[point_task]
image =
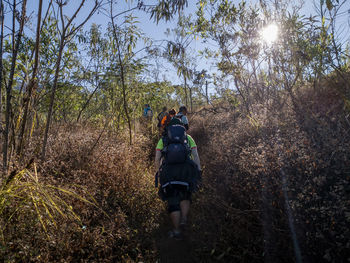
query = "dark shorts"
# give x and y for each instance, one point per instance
(174, 195)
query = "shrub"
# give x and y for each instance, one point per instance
(117, 227)
(277, 184)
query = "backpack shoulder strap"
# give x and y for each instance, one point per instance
(165, 140)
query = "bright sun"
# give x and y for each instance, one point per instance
(270, 33)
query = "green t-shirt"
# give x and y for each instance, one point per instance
(190, 140)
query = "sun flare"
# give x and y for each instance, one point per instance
(270, 33)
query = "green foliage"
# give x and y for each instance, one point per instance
(69, 99)
(230, 97)
(166, 9)
(49, 41)
(22, 192)
(263, 109)
(306, 49)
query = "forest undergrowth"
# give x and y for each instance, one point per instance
(275, 189)
(276, 184)
(117, 223)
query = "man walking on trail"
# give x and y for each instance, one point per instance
(147, 112)
(182, 116)
(179, 171)
(167, 119)
(160, 117)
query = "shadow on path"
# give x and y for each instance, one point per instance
(171, 250)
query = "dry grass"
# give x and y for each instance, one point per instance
(120, 180)
(259, 173)
(251, 169)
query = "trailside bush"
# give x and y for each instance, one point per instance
(272, 178)
(117, 176)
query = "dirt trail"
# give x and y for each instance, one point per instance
(171, 250)
(175, 251)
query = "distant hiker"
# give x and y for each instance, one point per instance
(147, 112)
(160, 117)
(181, 115)
(179, 174)
(167, 119)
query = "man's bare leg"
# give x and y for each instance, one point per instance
(175, 219)
(185, 208)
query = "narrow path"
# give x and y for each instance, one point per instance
(171, 250)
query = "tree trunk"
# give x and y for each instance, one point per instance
(10, 83)
(87, 102)
(14, 6)
(63, 36)
(206, 91)
(32, 81)
(52, 98)
(185, 89)
(1, 53)
(191, 99)
(125, 103)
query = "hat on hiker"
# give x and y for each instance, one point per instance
(172, 112)
(183, 109)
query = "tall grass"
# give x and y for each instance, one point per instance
(269, 186)
(23, 191)
(84, 203)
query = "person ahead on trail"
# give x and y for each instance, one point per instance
(179, 174)
(147, 111)
(166, 119)
(161, 115)
(182, 116)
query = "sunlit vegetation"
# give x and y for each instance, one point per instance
(270, 33)
(270, 116)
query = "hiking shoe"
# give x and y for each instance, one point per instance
(175, 235)
(183, 222)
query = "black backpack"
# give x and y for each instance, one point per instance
(177, 170)
(176, 148)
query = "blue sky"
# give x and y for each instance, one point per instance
(147, 25)
(156, 31)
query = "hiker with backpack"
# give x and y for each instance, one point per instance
(167, 119)
(147, 112)
(179, 174)
(160, 117)
(181, 115)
